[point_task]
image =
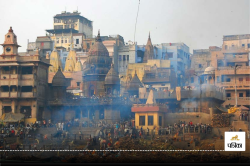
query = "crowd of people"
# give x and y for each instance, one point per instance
(243, 116)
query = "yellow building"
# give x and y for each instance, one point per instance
(149, 115)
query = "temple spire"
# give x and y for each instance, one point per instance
(98, 38)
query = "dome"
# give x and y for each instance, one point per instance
(98, 61)
(209, 70)
(59, 79)
(112, 76)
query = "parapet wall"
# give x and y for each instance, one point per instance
(171, 118)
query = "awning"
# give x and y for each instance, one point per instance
(243, 108)
(12, 117)
(9, 64)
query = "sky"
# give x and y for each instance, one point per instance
(197, 23)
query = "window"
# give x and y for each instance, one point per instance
(228, 94)
(248, 45)
(26, 70)
(124, 57)
(228, 80)
(101, 114)
(200, 66)
(192, 79)
(57, 40)
(247, 94)
(127, 57)
(58, 26)
(218, 79)
(26, 89)
(150, 120)
(88, 46)
(84, 113)
(78, 83)
(243, 45)
(240, 94)
(120, 57)
(240, 79)
(142, 120)
(225, 47)
(61, 41)
(160, 120)
(248, 79)
(208, 63)
(66, 26)
(77, 41)
(232, 45)
(170, 55)
(65, 40)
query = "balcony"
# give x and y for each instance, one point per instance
(5, 76)
(27, 94)
(27, 76)
(230, 71)
(238, 58)
(159, 79)
(14, 94)
(4, 82)
(240, 101)
(27, 83)
(239, 85)
(4, 94)
(179, 60)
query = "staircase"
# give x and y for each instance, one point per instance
(244, 125)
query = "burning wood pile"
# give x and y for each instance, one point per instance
(221, 120)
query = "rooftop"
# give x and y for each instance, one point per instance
(236, 37)
(68, 14)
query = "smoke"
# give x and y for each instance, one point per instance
(189, 103)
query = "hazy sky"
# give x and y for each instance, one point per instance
(197, 23)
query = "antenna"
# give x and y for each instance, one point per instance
(65, 8)
(77, 9)
(136, 19)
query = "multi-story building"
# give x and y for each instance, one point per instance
(226, 67)
(23, 80)
(236, 42)
(177, 53)
(233, 70)
(70, 28)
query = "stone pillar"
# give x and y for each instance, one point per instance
(211, 110)
(34, 109)
(1, 108)
(13, 106)
(18, 109)
(97, 112)
(108, 115)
